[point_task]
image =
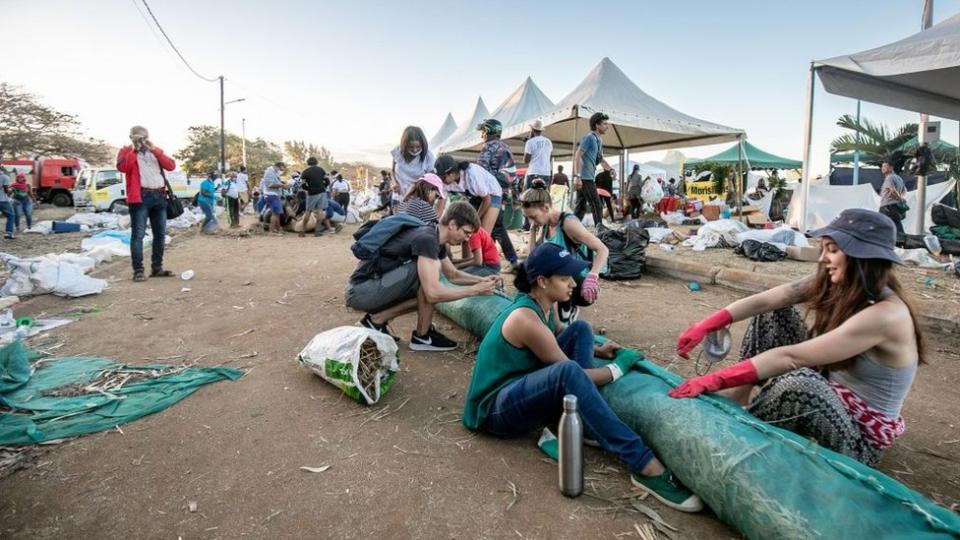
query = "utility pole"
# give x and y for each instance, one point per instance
(243, 137)
(223, 139)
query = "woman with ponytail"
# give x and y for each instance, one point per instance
(527, 363)
(564, 229)
(845, 385)
(484, 193)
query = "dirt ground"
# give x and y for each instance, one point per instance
(404, 468)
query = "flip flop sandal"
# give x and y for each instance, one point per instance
(161, 273)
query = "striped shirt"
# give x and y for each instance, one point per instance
(419, 209)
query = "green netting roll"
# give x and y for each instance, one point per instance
(764, 481)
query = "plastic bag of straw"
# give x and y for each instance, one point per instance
(359, 361)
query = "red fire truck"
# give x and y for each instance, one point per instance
(52, 179)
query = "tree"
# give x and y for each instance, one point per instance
(298, 151)
(874, 141)
(202, 153)
(29, 128)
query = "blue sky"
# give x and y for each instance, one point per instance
(351, 75)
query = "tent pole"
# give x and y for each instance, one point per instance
(856, 153)
(623, 173)
(926, 20)
(807, 135)
(739, 187)
(573, 157)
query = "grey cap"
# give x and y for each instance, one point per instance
(864, 234)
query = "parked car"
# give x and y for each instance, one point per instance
(103, 189)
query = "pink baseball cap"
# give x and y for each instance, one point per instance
(434, 181)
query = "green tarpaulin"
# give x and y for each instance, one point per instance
(764, 481)
(752, 156)
(53, 398)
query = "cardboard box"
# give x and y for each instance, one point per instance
(711, 212)
(758, 220)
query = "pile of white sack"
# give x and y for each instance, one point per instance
(730, 233)
(62, 275)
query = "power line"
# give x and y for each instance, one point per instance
(174, 47)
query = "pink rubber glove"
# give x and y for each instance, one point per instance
(736, 375)
(692, 336)
(590, 289)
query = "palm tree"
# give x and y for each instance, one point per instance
(874, 141)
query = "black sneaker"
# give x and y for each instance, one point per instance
(367, 322)
(433, 341)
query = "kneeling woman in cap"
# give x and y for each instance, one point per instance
(845, 385)
(525, 367)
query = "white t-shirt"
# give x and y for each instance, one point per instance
(540, 148)
(150, 176)
(408, 173)
(340, 186)
(476, 181)
(233, 190)
(242, 182)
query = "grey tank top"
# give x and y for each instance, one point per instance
(884, 388)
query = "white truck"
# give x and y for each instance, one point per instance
(103, 189)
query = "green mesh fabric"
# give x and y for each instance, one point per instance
(36, 414)
(764, 481)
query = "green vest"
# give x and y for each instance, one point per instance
(499, 363)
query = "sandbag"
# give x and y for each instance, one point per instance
(764, 481)
(305, 223)
(627, 245)
(760, 251)
(359, 361)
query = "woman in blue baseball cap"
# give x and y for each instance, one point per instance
(526, 365)
(845, 385)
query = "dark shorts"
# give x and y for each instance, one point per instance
(377, 294)
(273, 203)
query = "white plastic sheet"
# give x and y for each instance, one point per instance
(713, 232)
(48, 275)
(781, 237)
(102, 220)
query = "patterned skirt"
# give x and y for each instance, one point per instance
(803, 401)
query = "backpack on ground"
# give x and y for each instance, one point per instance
(371, 238)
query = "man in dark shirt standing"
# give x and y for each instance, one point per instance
(315, 180)
(386, 193)
(560, 179)
(405, 277)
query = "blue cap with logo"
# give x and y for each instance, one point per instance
(552, 260)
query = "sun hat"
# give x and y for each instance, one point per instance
(552, 260)
(864, 234)
(434, 181)
(536, 125)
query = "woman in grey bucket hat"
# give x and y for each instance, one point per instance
(842, 382)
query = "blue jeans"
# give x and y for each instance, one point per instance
(209, 221)
(536, 400)
(6, 207)
(154, 207)
(26, 208)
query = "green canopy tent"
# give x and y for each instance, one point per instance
(755, 157)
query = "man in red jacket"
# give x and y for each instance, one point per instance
(143, 164)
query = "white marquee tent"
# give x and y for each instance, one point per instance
(525, 102)
(638, 120)
(466, 128)
(919, 73)
(446, 129)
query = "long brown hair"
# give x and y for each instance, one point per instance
(420, 189)
(862, 285)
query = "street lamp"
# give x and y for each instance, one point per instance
(223, 138)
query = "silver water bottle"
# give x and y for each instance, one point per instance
(571, 449)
